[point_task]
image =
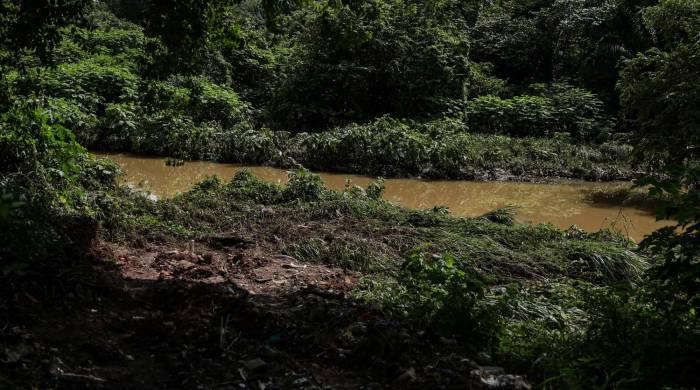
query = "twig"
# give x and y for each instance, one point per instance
(82, 376)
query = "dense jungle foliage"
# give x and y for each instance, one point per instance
(251, 82)
(461, 89)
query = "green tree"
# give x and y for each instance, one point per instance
(357, 60)
(35, 25)
(579, 41)
(660, 89)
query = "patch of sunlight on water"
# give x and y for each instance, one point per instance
(562, 204)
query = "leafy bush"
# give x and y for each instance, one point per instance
(445, 294)
(245, 186)
(555, 108)
(304, 186)
(197, 98)
(676, 286)
(385, 145)
(641, 333)
(512, 43)
(68, 51)
(92, 82)
(443, 149)
(483, 82)
(120, 123)
(375, 189)
(503, 215)
(545, 41)
(211, 102)
(659, 92)
(576, 111)
(45, 176)
(518, 116)
(71, 115)
(253, 53)
(612, 338)
(111, 41)
(247, 145)
(162, 95)
(358, 60)
(168, 133)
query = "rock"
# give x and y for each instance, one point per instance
(254, 364)
(291, 265)
(184, 265)
(408, 376)
(491, 371)
(469, 363)
(16, 354)
(284, 258)
(358, 329)
(483, 358)
(495, 378)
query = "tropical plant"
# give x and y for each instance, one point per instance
(660, 90)
(411, 56)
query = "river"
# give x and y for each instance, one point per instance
(562, 204)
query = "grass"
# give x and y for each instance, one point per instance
(316, 224)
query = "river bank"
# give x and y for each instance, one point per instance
(441, 149)
(249, 283)
(587, 205)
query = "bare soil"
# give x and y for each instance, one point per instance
(218, 314)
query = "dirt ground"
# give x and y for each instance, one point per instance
(218, 314)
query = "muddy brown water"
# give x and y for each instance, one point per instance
(562, 204)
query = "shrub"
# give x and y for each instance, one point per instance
(119, 124)
(304, 186)
(576, 111)
(211, 102)
(254, 54)
(166, 133)
(111, 41)
(245, 186)
(44, 176)
(246, 145)
(162, 95)
(92, 82)
(199, 98)
(556, 108)
(518, 116)
(444, 149)
(660, 93)
(445, 294)
(483, 82)
(71, 115)
(358, 60)
(386, 146)
(68, 51)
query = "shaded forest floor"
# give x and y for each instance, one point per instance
(228, 317)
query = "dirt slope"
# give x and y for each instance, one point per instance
(217, 314)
